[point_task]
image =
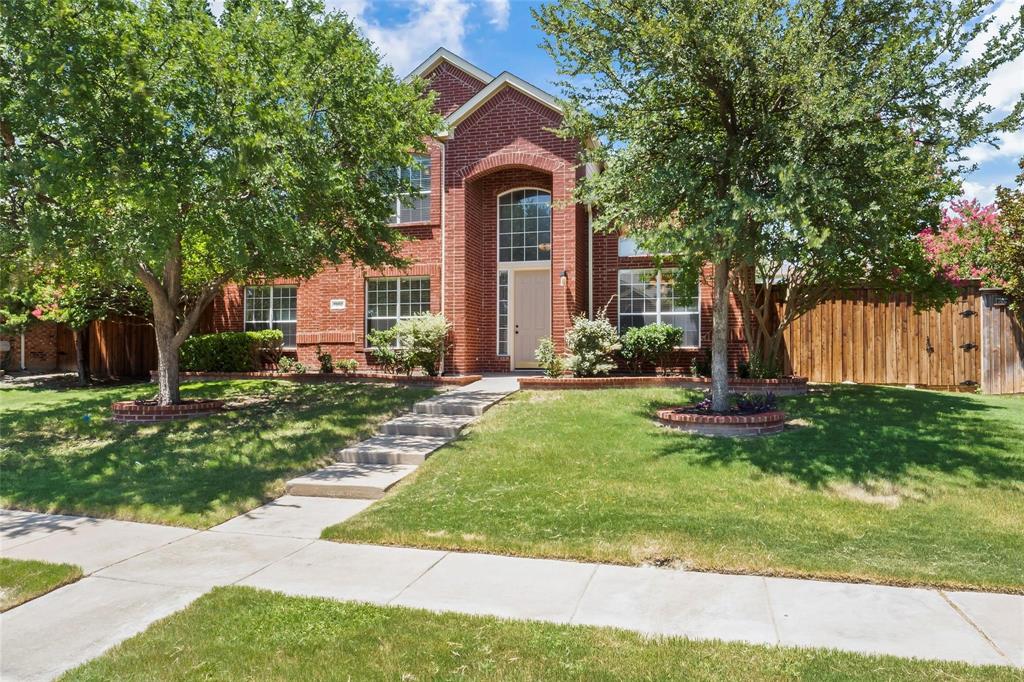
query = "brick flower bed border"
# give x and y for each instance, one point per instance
(782, 386)
(129, 411)
(762, 424)
(310, 377)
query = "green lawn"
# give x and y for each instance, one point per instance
(237, 633)
(60, 452)
(876, 484)
(21, 580)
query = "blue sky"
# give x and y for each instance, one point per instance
(499, 35)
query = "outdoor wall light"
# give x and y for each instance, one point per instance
(564, 278)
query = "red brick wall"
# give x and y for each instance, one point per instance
(44, 351)
(454, 87)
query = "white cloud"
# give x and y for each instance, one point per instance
(1010, 145)
(499, 11)
(1005, 83)
(986, 194)
(430, 24)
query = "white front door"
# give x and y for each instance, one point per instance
(531, 314)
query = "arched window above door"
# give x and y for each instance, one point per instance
(524, 226)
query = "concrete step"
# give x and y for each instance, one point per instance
(385, 449)
(357, 481)
(443, 425)
(461, 402)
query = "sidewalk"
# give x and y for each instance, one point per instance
(138, 573)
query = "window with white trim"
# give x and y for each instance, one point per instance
(648, 296)
(390, 299)
(503, 312)
(628, 247)
(271, 307)
(414, 208)
(524, 226)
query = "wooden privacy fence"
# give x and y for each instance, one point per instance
(119, 348)
(866, 337)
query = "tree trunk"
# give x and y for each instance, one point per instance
(82, 355)
(720, 339)
(167, 368)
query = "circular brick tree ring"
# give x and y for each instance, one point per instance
(760, 424)
(148, 412)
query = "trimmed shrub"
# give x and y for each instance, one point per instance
(325, 359)
(592, 345)
(651, 344)
(417, 341)
(550, 361)
(289, 365)
(425, 337)
(386, 353)
(347, 365)
(229, 351)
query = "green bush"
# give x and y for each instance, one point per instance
(550, 361)
(387, 354)
(230, 351)
(425, 336)
(592, 345)
(418, 341)
(347, 365)
(651, 344)
(325, 360)
(289, 365)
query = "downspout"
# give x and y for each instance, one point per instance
(444, 249)
(22, 350)
(590, 261)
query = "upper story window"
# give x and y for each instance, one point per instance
(524, 226)
(647, 296)
(271, 307)
(415, 208)
(628, 247)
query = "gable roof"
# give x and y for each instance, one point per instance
(443, 55)
(504, 80)
(493, 86)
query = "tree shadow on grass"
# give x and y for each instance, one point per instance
(866, 433)
(187, 469)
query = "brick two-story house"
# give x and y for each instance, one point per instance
(496, 243)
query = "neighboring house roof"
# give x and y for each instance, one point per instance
(494, 85)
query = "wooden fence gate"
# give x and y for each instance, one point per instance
(869, 338)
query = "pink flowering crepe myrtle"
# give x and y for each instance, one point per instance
(959, 247)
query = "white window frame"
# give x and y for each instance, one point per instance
(272, 320)
(512, 264)
(628, 248)
(397, 215)
(398, 301)
(508, 314)
(657, 304)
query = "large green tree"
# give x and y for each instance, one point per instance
(800, 143)
(154, 139)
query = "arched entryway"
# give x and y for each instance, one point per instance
(524, 273)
